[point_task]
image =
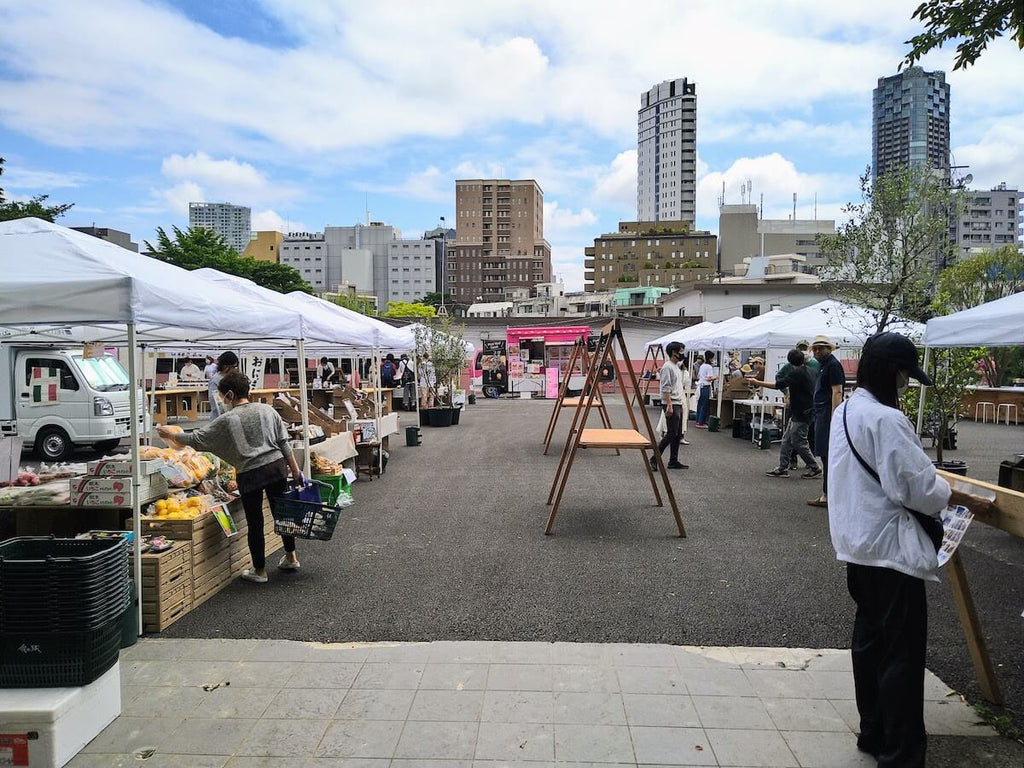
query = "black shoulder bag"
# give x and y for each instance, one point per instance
(932, 526)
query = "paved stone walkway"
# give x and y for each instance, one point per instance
(281, 704)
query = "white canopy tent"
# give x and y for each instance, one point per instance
(724, 338)
(998, 323)
(54, 276)
(683, 335)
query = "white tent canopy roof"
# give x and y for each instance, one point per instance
(382, 335)
(998, 323)
(683, 335)
(53, 275)
(847, 326)
(707, 339)
(727, 337)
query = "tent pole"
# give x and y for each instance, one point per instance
(300, 350)
(133, 431)
(378, 405)
(718, 381)
(923, 392)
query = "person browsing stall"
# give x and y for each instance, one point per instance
(883, 513)
(228, 361)
(705, 379)
(252, 438)
(796, 379)
(828, 394)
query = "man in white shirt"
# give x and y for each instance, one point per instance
(705, 379)
(326, 371)
(673, 398)
(190, 371)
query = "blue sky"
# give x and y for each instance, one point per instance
(314, 112)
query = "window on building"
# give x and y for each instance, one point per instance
(751, 310)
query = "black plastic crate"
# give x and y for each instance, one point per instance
(45, 613)
(40, 554)
(58, 659)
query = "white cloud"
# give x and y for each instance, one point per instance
(560, 223)
(777, 178)
(180, 195)
(203, 168)
(567, 265)
(270, 220)
(617, 186)
(429, 184)
(998, 155)
(25, 178)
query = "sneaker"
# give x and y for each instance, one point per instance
(654, 463)
(812, 472)
(794, 466)
(249, 574)
(778, 472)
(677, 465)
(684, 441)
(702, 426)
(288, 565)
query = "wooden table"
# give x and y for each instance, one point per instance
(267, 395)
(997, 396)
(176, 403)
(614, 438)
(322, 398)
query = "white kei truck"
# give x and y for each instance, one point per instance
(57, 399)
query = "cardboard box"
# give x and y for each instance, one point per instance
(122, 467)
(151, 485)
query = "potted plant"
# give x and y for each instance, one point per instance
(441, 346)
(951, 372)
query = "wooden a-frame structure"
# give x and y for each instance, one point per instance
(580, 437)
(655, 355)
(582, 357)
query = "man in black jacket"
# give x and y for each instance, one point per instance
(799, 381)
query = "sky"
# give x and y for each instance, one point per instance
(322, 112)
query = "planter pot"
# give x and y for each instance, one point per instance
(647, 399)
(441, 417)
(456, 413)
(426, 417)
(953, 467)
(472, 399)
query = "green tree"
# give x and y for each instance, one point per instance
(443, 341)
(973, 22)
(408, 309)
(433, 299)
(200, 247)
(979, 279)
(37, 207)
(886, 256)
(363, 305)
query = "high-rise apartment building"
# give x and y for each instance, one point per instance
(499, 240)
(411, 274)
(910, 114)
(666, 184)
(232, 221)
(648, 253)
(989, 221)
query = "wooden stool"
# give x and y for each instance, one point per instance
(1007, 406)
(984, 411)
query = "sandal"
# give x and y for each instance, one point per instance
(287, 565)
(818, 502)
(249, 574)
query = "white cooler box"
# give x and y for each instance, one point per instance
(46, 727)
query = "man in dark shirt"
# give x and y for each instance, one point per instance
(797, 379)
(828, 394)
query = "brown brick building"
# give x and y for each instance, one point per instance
(656, 253)
(499, 240)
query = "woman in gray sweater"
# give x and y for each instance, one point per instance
(252, 438)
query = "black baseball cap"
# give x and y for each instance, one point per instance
(900, 350)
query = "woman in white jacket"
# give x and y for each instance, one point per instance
(884, 502)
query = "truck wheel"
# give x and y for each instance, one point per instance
(53, 444)
(104, 446)
(492, 392)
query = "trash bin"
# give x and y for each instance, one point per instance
(412, 436)
(713, 423)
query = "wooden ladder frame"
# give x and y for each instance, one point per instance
(579, 353)
(656, 355)
(580, 437)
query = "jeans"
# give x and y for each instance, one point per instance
(794, 442)
(673, 434)
(890, 636)
(409, 396)
(252, 503)
(703, 404)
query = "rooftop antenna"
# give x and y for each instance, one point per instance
(762, 205)
(723, 191)
(366, 206)
(794, 207)
(750, 191)
(815, 206)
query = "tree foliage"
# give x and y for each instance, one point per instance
(360, 304)
(443, 341)
(200, 247)
(433, 299)
(973, 22)
(36, 206)
(409, 309)
(886, 256)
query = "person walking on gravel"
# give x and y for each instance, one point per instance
(676, 405)
(797, 380)
(828, 394)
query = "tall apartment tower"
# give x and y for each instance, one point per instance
(232, 221)
(910, 114)
(666, 185)
(499, 240)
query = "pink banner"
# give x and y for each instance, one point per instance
(552, 382)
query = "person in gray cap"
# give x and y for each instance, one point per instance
(828, 394)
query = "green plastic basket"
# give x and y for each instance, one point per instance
(338, 485)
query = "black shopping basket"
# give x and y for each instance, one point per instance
(302, 514)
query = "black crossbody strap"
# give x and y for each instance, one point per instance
(867, 467)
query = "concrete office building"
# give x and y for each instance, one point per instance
(648, 253)
(327, 266)
(499, 240)
(440, 236)
(741, 234)
(411, 269)
(264, 246)
(990, 221)
(114, 236)
(910, 113)
(232, 221)
(667, 153)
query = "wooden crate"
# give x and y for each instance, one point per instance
(211, 582)
(164, 606)
(160, 569)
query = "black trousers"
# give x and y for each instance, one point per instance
(673, 433)
(890, 634)
(252, 503)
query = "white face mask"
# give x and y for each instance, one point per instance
(901, 389)
(228, 404)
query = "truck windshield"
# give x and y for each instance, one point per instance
(104, 373)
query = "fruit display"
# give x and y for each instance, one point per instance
(323, 466)
(184, 466)
(178, 507)
(56, 493)
(25, 478)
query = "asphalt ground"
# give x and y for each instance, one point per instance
(450, 545)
